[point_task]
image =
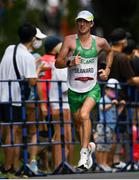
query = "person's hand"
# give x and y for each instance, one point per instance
(122, 102)
(43, 67)
(104, 73)
(115, 102)
(76, 60)
(65, 93)
(38, 61)
(43, 110)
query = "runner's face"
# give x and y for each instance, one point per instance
(84, 26)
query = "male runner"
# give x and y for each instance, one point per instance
(79, 53)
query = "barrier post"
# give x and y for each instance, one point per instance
(24, 134)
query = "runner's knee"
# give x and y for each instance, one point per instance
(84, 115)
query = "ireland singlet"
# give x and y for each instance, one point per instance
(83, 77)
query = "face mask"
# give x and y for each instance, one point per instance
(30, 50)
(37, 44)
(112, 94)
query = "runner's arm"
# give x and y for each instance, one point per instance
(61, 61)
(104, 73)
(109, 56)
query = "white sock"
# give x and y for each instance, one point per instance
(84, 150)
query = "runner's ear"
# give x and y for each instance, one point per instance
(92, 23)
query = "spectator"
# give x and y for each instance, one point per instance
(58, 75)
(122, 71)
(121, 68)
(49, 60)
(136, 51)
(31, 109)
(105, 130)
(52, 47)
(26, 65)
(134, 61)
(131, 50)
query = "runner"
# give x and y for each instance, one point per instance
(79, 53)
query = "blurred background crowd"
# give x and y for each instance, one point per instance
(57, 17)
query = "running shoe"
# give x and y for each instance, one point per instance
(83, 162)
(105, 168)
(119, 165)
(33, 167)
(91, 148)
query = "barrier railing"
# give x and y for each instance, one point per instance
(132, 104)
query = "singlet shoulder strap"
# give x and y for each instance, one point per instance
(94, 42)
(77, 41)
(76, 36)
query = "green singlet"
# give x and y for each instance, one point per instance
(82, 79)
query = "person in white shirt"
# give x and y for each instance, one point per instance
(61, 75)
(41, 107)
(52, 47)
(10, 93)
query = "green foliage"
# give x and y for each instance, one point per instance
(10, 21)
(12, 18)
(73, 7)
(134, 23)
(34, 16)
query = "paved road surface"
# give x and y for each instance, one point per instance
(120, 175)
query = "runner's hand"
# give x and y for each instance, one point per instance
(76, 60)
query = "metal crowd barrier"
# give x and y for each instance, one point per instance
(132, 104)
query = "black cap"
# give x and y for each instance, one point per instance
(26, 32)
(131, 45)
(117, 35)
(51, 42)
(128, 35)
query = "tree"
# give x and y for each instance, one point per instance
(13, 14)
(11, 18)
(118, 13)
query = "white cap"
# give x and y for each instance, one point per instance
(39, 34)
(85, 15)
(53, 3)
(113, 83)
